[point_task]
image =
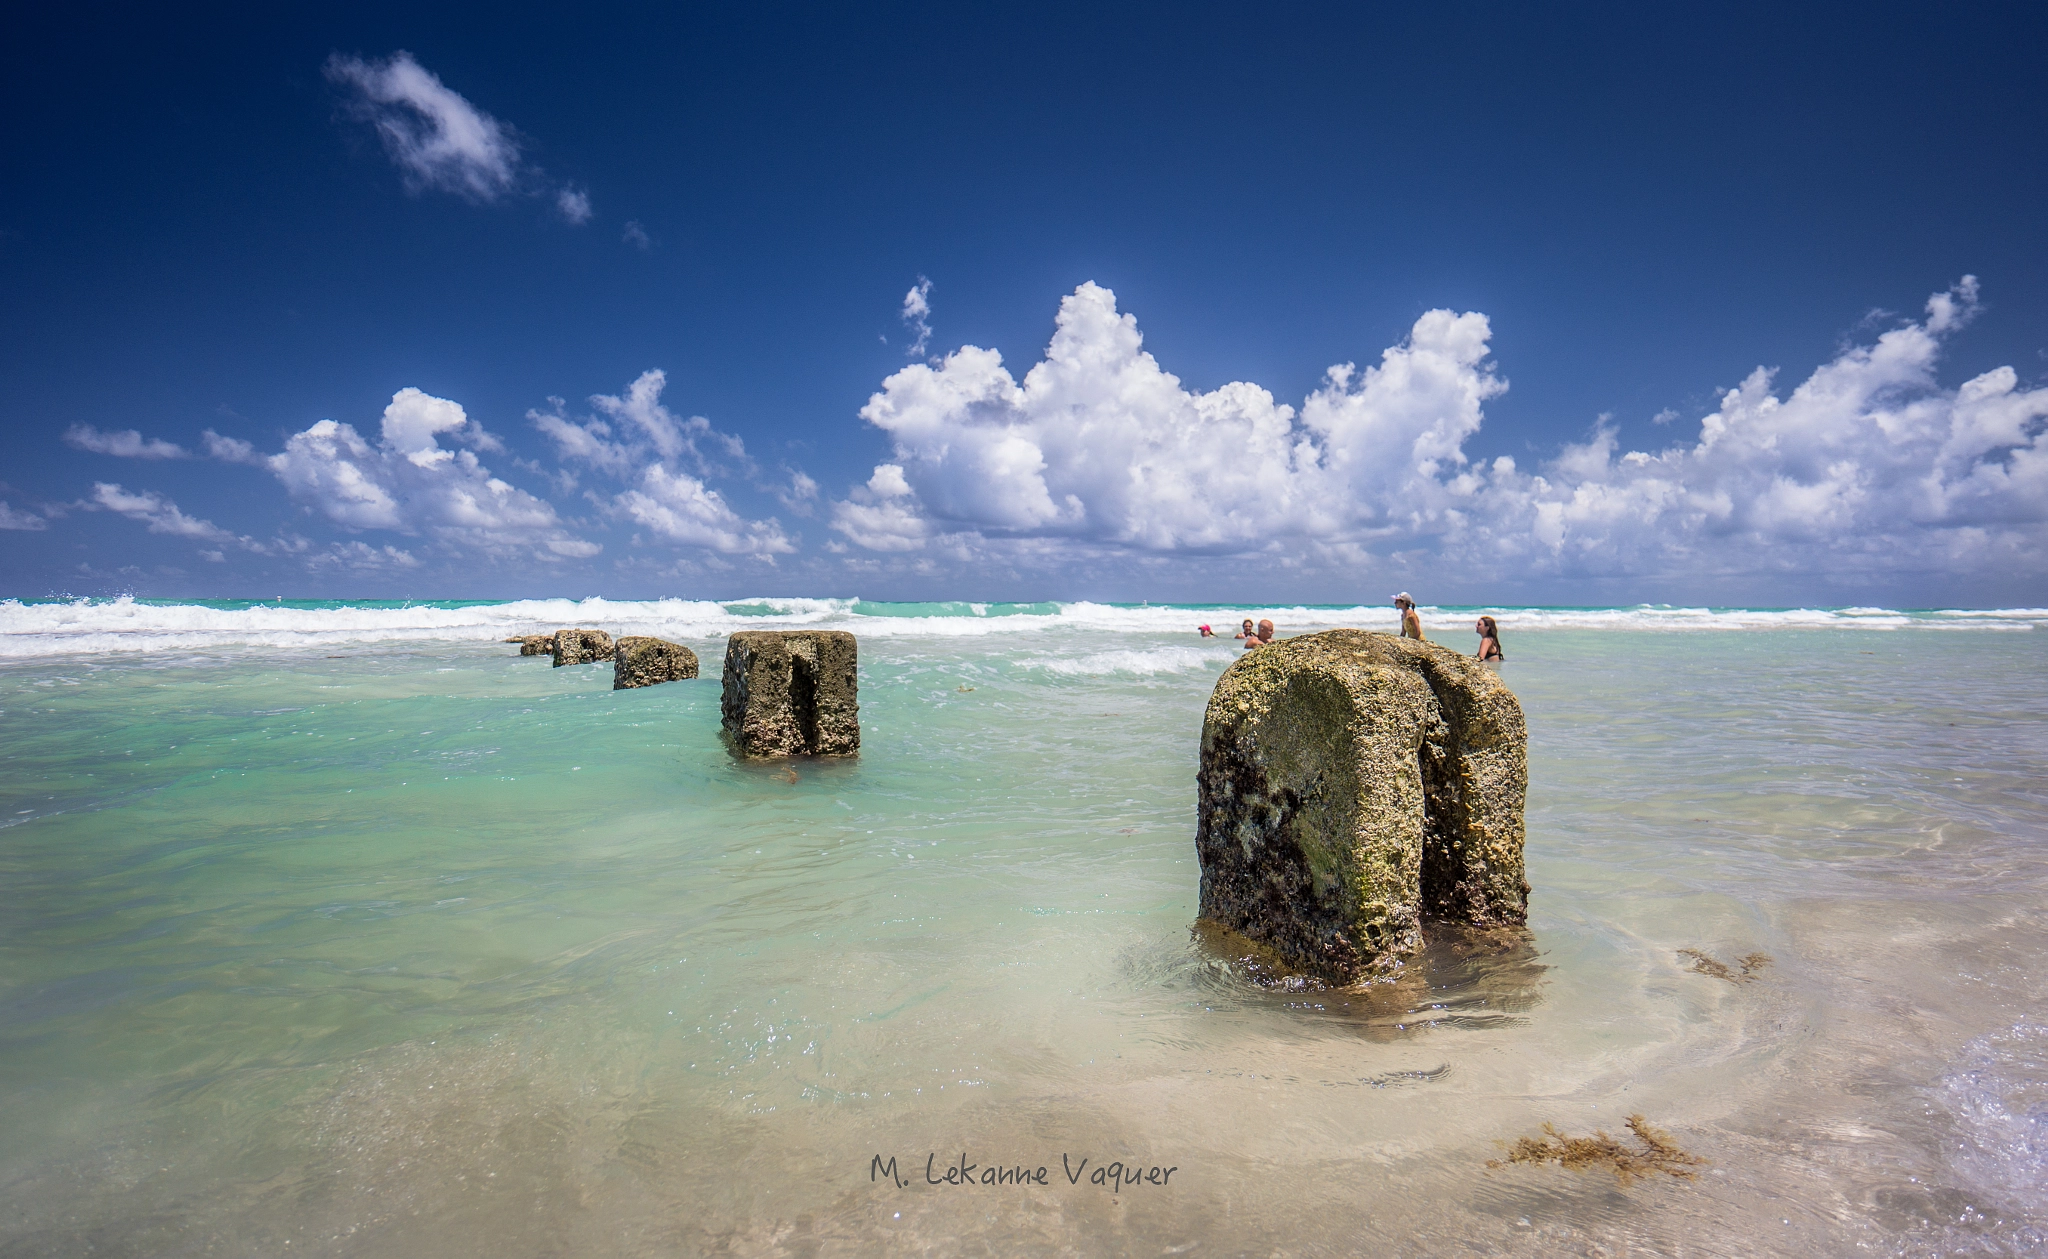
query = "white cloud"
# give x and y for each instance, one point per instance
(1867, 465)
(880, 515)
(917, 309)
(801, 496)
(639, 426)
(573, 204)
(230, 449)
(361, 557)
(438, 139)
(888, 481)
(409, 483)
(679, 507)
(881, 524)
(1097, 443)
(12, 518)
(636, 236)
(162, 515)
(643, 445)
(128, 443)
(640, 409)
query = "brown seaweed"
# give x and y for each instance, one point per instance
(1743, 972)
(1658, 1153)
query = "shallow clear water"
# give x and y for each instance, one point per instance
(375, 944)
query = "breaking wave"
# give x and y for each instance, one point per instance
(1137, 663)
(52, 627)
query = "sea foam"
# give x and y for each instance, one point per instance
(34, 628)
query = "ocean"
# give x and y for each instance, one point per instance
(342, 929)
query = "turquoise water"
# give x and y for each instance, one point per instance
(350, 930)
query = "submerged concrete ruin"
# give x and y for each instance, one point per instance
(792, 693)
(638, 660)
(1353, 784)
(582, 646)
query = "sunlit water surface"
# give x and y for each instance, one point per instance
(418, 947)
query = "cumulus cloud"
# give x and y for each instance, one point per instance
(438, 139)
(409, 483)
(1100, 443)
(880, 515)
(662, 460)
(1868, 462)
(420, 475)
(917, 309)
(1868, 465)
(127, 443)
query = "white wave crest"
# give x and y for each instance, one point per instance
(1140, 663)
(124, 625)
(1658, 617)
(90, 627)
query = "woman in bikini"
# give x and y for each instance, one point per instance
(1489, 640)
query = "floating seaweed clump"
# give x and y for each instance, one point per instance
(1743, 972)
(1659, 1153)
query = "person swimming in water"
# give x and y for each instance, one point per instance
(1260, 639)
(1247, 632)
(1489, 640)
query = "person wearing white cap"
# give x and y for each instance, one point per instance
(1411, 624)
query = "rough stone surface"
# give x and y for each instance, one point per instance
(792, 692)
(638, 661)
(535, 644)
(581, 646)
(1352, 784)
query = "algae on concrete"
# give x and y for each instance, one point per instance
(1352, 784)
(792, 692)
(643, 661)
(582, 646)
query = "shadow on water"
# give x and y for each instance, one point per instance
(1464, 977)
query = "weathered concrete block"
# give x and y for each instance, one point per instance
(638, 661)
(581, 646)
(792, 692)
(535, 644)
(1351, 785)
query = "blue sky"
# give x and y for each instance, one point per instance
(412, 274)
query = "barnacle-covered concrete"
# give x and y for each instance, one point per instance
(1353, 784)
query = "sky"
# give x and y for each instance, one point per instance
(1572, 304)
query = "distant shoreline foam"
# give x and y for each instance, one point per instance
(51, 627)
